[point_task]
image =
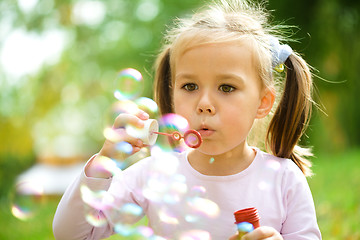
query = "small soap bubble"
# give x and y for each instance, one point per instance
(129, 84)
(118, 107)
(165, 162)
(129, 160)
(245, 227)
(124, 147)
(96, 201)
(135, 132)
(95, 220)
(191, 218)
(145, 231)
(197, 191)
(100, 200)
(26, 199)
(273, 164)
(175, 192)
(167, 217)
(124, 230)
(204, 206)
(167, 189)
(106, 165)
(264, 186)
(148, 105)
(112, 135)
(195, 235)
(132, 209)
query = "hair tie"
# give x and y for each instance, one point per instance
(279, 53)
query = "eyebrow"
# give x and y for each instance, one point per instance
(185, 75)
(220, 77)
(238, 78)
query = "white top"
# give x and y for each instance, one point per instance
(178, 200)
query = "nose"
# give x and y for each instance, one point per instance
(205, 105)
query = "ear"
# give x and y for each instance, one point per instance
(267, 101)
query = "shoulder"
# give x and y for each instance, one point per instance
(285, 170)
(289, 178)
(279, 164)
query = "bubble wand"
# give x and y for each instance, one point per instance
(191, 137)
(148, 134)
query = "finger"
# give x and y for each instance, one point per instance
(142, 115)
(234, 237)
(124, 119)
(263, 232)
(124, 137)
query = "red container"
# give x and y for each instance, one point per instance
(249, 215)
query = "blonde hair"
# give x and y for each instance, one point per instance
(235, 21)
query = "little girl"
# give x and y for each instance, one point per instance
(217, 71)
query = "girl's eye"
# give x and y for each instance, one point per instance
(226, 88)
(190, 87)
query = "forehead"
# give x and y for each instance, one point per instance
(216, 55)
(189, 41)
(216, 59)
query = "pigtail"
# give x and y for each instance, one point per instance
(292, 115)
(162, 89)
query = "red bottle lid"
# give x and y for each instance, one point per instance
(249, 215)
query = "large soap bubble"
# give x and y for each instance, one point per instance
(129, 84)
(170, 123)
(26, 199)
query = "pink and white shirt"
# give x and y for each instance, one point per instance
(178, 200)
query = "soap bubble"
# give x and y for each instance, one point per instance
(170, 123)
(26, 199)
(118, 107)
(124, 147)
(204, 207)
(96, 201)
(124, 230)
(100, 200)
(195, 235)
(245, 227)
(129, 84)
(264, 186)
(96, 219)
(106, 165)
(140, 232)
(168, 217)
(125, 213)
(145, 231)
(197, 191)
(148, 105)
(273, 164)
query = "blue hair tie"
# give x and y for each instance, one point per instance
(279, 53)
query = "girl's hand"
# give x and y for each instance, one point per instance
(107, 151)
(263, 232)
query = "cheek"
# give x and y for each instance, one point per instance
(179, 104)
(241, 114)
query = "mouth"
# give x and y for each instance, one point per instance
(206, 131)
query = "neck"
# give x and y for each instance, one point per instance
(229, 163)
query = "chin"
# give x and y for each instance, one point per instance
(210, 150)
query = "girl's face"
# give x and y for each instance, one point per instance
(217, 89)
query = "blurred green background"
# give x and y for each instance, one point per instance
(59, 59)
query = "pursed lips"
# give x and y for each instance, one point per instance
(205, 131)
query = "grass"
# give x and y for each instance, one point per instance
(335, 187)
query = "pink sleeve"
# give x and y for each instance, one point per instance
(300, 222)
(69, 220)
